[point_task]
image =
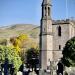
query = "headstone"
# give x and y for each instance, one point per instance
(19, 73)
(32, 73)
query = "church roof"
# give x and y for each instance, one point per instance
(67, 21)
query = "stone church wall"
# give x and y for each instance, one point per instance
(60, 40)
(67, 32)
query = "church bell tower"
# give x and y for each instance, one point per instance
(46, 37)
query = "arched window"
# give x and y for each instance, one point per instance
(48, 11)
(59, 31)
(45, 11)
(59, 47)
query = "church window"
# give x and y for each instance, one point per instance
(45, 11)
(48, 11)
(59, 47)
(59, 31)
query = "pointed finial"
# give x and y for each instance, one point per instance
(46, 1)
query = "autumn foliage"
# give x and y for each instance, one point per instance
(23, 42)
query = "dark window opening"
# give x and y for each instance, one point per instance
(45, 11)
(59, 47)
(48, 11)
(59, 31)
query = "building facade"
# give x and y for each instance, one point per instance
(53, 35)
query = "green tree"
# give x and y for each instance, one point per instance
(69, 53)
(11, 55)
(32, 57)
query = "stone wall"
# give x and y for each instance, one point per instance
(60, 40)
(67, 32)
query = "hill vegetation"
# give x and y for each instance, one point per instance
(15, 30)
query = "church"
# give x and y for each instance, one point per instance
(53, 35)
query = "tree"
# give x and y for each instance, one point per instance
(32, 57)
(22, 43)
(12, 56)
(17, 42)
(69, 53)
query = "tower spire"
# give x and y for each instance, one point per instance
(47, 1)
(46, 9)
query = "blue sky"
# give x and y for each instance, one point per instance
(29, 11)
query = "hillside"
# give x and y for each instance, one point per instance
(15, 30)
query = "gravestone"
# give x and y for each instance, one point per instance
(32, 73)
(19, 73)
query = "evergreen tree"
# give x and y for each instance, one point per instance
(69, 53)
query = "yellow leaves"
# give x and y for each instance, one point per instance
(17, 48)
(23, 41)
(18, 41)
(23, 37)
